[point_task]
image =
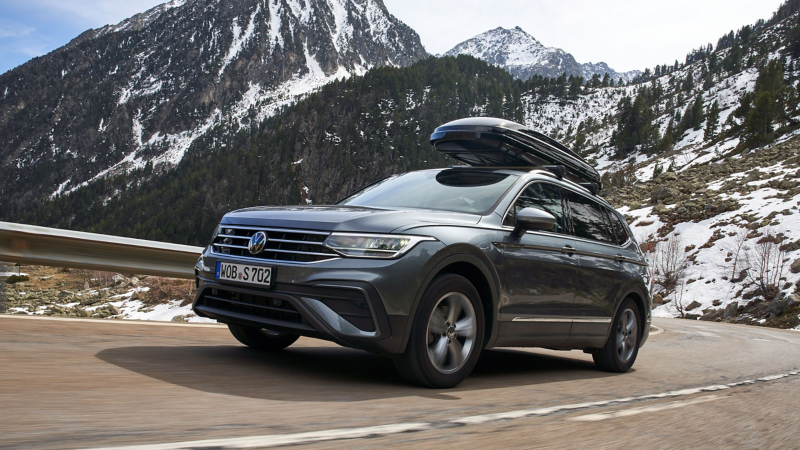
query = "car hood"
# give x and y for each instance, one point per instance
(344, 218)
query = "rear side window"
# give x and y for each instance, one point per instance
(587, 219)
(544, 196)
(617, 227)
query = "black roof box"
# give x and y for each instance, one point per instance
(486, 141)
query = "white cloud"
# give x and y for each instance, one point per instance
(11, 29)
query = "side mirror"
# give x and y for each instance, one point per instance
(533, 219)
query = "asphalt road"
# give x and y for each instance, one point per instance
(72, 384)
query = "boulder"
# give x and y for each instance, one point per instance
(778, 306)
(710, 315)
(795, 267)
(658, 300)
(694, 305)
(661, 193)
(666, 176)
(732, 310)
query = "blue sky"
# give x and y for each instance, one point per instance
(626, 34)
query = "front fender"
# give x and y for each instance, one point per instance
(462, 253)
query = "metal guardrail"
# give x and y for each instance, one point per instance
(28, 244)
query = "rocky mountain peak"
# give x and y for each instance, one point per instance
(524, 56)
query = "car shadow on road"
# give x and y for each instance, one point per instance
(330, 373)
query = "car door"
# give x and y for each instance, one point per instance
(540, 273)
(601, 270)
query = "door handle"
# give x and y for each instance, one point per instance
(619, 258)
(568, 250)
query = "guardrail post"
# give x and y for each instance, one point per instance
(3, 303)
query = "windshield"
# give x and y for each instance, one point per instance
(455, 190)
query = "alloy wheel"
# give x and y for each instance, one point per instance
(627, 335)
(452, 328)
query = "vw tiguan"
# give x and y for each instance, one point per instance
(515, 249)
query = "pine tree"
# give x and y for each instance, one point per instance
(765, 105)
(793, 47)
(635, 126)
(699, 115)
(712, 121)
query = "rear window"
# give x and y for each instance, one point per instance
(454, 190)
(587, 219)
(617, 227)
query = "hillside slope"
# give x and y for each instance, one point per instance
(142, 91)
(345, 136)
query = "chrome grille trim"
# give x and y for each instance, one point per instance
(277, 230)
(283, 245)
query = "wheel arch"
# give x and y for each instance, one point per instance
(639, 296)
(475, 266)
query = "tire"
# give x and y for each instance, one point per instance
(439, 353)
(622, 345)
(261, 339)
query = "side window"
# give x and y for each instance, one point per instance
(587, 219)
(544, 196)
(618, 227)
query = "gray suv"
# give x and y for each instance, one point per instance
(431, 267)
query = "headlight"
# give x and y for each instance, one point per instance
(384, 246)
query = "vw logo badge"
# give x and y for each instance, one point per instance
(257, 242)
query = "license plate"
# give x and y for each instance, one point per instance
(244, 273)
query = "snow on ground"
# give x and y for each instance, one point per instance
(711, 267)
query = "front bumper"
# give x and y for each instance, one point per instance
(359, 303)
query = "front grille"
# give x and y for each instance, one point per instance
(251, 305)
(282, 244)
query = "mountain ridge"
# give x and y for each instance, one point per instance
(524, 56)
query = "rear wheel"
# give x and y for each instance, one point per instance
(261, 338)
(446, 336)
(622, 345)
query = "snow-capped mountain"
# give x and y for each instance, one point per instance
(140, 92)
(523, 56)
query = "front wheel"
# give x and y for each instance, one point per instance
(260, 338)
(446, 336)
(622, 346)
